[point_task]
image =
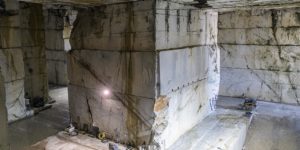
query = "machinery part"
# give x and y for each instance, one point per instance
(102, 135)
(249, 104)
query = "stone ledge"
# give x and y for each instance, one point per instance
(223, 129)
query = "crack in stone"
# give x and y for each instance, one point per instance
(124, 103)
(89, 109)
(274, 15)
(264, 82)
(294, 88)
(269, 86)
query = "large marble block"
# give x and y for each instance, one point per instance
(177, 27)
(12, 69)
(188, 70)
(260, 59)
(55, 46)
(33, 41)
(189, 82)
(113, 49)
(160, 62)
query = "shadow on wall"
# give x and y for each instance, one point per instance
(3, 116)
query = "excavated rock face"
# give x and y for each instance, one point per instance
(113, 49)
(143, 52)
(12, 66)
(23, 61)
(188, 70)
(55, 47)
(260, 57)
(33, 47)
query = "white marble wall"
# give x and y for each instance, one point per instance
(144, 53)
(113, 48)
(12, 65)
(260, 54)
(55, 47)
(33, 46)
(188, 69)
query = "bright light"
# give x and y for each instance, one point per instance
(106, 92)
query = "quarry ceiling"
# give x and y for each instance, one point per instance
(200, 3)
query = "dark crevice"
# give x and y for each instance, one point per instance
(89, 110)
(275, 18)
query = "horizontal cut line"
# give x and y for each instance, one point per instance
(20, 47)
(282, 27)
(256, 44)
(184, 47)
(15, 80)
(260, 70)
(113, 51)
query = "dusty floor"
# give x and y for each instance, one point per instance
(47, 123)
(224, 129)
(274, 127)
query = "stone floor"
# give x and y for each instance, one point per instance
(224, 129)
(47, 123)
(273, 127)
(62, 141)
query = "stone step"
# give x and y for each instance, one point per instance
(224, 129)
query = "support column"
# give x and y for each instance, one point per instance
(188, 69)
(55, 53)
(33, 45)
(125, 57)
(11, 62)
(111, 69)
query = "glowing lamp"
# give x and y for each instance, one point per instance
(106, 92)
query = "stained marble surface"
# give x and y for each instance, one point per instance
(260, 55)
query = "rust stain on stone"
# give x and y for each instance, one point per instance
(132, 118)
(161, 103)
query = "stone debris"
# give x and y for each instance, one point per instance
(62, 141)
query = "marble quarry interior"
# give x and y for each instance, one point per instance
(260, 57)
(149, 74)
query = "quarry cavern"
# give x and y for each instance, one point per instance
(149, 74)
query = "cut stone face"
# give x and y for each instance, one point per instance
(110, 54)
(55, 47)
(22, 53)
(131, 50)
(260, 60)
